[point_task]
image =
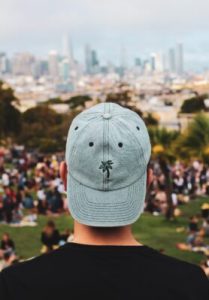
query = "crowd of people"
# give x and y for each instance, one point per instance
(31, 181)
(176, 184)
(30, 185)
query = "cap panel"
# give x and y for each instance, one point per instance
(84, 160)
(140, 137)
(137, 128)
(127, 156)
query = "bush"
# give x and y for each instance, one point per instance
(194, 105)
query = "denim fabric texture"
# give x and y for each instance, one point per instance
(107, 153)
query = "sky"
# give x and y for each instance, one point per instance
(139, 26)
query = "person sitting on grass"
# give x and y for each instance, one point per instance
(7, 244)
(7, 251)
(50, 237)
(106, 175)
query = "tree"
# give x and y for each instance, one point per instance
(194, 105)
(150, 120)
(194, 142)
(168, 185)
(38, 124)
(53, 101)
(163, 141)
(77, 101)
(42, 115)
(123, 98)
(44, 129)
(163, 137)
(10, 117)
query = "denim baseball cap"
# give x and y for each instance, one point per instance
(107, 153)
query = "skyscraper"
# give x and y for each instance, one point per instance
(40, 68)
(171, 60)
(23, 64)
(123, 58)
(94, 57)
(4, 63)
(137, 62)
(153, 61)
(156, 62)
(88, 59)
(67, 49)
(179, 59)
(53, 65)
(91, 59)
(65, 69)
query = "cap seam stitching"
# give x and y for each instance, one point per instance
(70, 174)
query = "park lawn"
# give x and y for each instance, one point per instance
(150, 230)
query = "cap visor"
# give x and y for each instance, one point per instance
(106, 208)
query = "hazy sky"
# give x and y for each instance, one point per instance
(141, 26)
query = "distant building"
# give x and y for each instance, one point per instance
(156, 62)
(53, 62)
(138, 62)
(23, 64)
(123, 61)
(67, 49)
(91, 60)
(40, 68)
(88, 59)
(95, 61)
(147, 68)
(4, 63)
(179, 59)
(153, 61)
(44, 67)
(171, 61)
(65, 69)
(65, 87)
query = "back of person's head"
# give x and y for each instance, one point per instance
(107, 153)
(50, 226)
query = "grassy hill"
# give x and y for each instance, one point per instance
(150, 230)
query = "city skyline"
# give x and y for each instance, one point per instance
(63, 64)
(128, 54)
(142, 27)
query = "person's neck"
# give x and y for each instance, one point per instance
(120, 236)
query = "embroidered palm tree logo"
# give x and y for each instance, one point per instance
(106, 166)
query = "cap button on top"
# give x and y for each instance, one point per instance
(107, 116)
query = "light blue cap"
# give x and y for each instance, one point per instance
(107, 153)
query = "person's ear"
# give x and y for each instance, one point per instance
(63, 173)
(149, 176)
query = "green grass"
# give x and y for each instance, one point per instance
(153, 231)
